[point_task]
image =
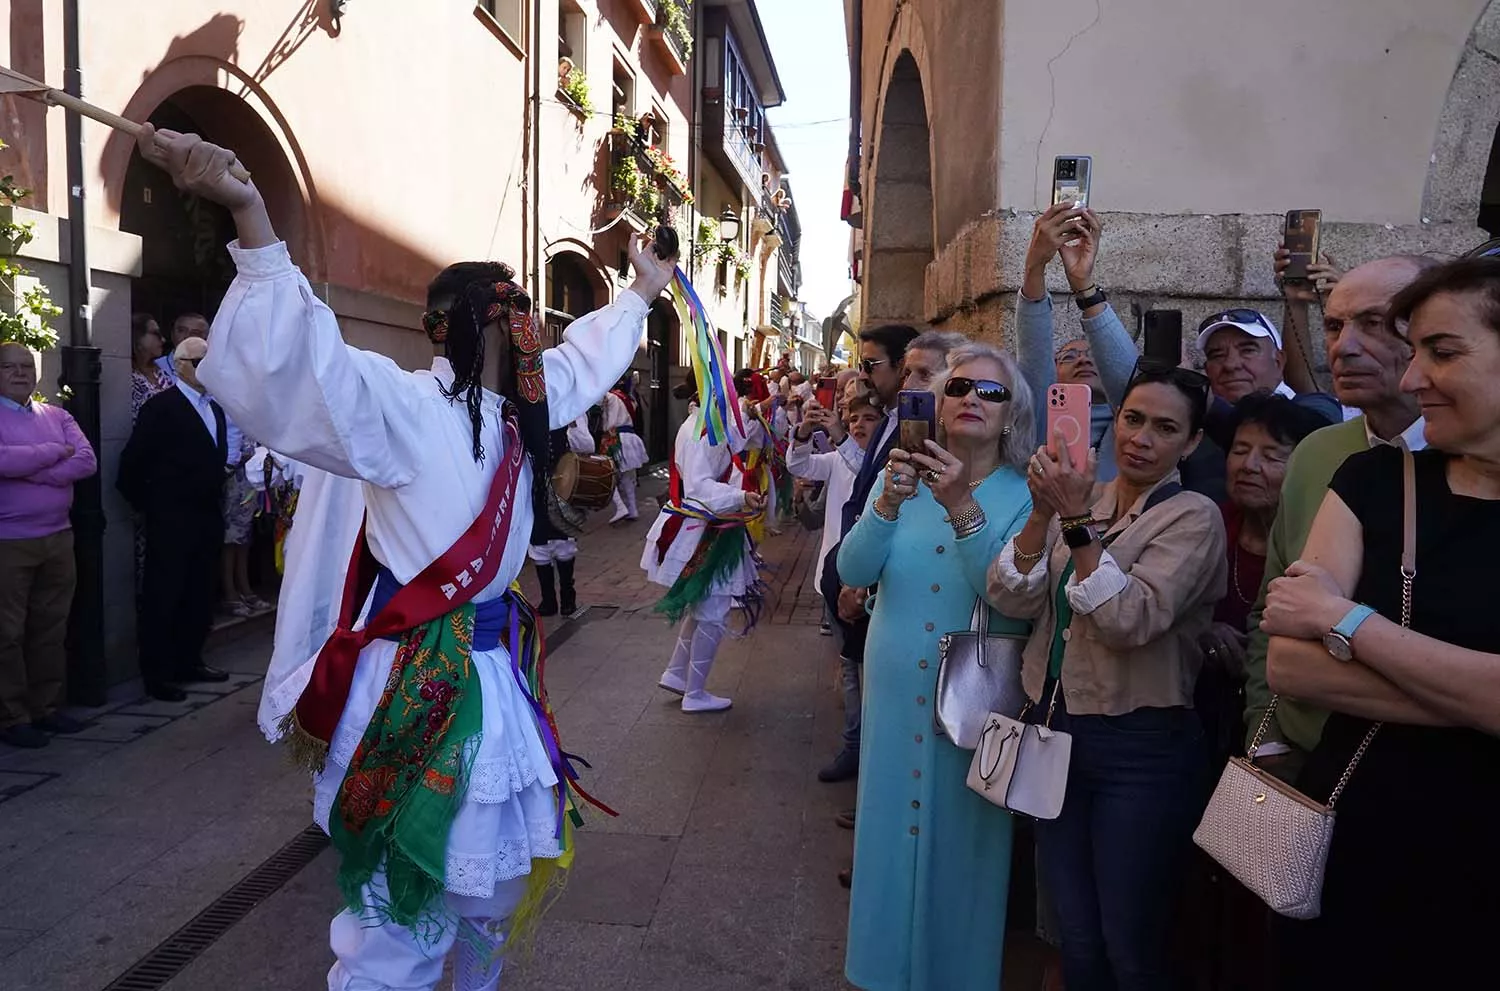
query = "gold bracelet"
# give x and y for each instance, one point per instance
(966, 517)
(1022, 557)
(875, 508)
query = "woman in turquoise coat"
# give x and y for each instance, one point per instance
(931, 858)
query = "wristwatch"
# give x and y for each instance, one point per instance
(1339, 641)
(1078, 537)
(1092, 299)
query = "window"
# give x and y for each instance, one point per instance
(623, 92)
(508, 14)
(657, 134)
(572, 32)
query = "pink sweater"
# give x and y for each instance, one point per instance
(36, 471)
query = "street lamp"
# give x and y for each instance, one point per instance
(729, 225)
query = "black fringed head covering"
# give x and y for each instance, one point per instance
(459, 328)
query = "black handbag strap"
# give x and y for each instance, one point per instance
(1161, 495)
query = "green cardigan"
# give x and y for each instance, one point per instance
(1311, 468)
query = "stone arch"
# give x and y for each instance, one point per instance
(588, 260)
(1464, 172)
(899, 228)
(231, 108)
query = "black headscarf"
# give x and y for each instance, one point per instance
(460, 328)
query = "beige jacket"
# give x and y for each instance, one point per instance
(1138, 647)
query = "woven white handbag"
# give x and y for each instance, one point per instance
(1269, 835)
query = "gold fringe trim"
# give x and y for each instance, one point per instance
(302, 748)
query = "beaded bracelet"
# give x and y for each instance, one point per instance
(963, 519)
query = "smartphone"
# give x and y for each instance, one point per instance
(1163, 337)
(827, 394)
(916, 415)
(1068, 406)
(1300, 238)
(1071, 175)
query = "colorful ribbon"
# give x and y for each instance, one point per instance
(719, 404)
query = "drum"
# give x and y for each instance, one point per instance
(585, 482)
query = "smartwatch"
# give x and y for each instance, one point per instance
(1339, 641)
(1092, 299)
(1078, 537)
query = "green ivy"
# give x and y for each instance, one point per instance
(28, 324)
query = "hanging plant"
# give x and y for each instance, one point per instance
(575, 86)
(626, 181)
(28, 324)
(679, 25)
(707, 240)
(742, 267)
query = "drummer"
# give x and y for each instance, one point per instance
(553, 552)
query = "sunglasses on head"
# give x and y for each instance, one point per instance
(1156, 370)
(1235, 315)
(987, 389)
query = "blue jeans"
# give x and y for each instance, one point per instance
(853, 700)
(1112, 860)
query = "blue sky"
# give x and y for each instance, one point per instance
(812, 130)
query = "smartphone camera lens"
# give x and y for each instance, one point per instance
(1067, 169)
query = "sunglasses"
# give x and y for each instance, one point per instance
(1156, 370)
(1235, 316)
(868, 365)
(987, 389)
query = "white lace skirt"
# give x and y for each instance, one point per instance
(632, 452)
(509, 811)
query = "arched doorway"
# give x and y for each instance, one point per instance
(185, 266)
(899, 239)
(661, 344)
(570, 293)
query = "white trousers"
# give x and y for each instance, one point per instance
(376, 956)
(553, 551)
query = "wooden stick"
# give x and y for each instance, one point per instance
(56, 97)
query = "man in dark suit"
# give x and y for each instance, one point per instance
(172, 471)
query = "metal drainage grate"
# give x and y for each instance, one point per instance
(178, 950)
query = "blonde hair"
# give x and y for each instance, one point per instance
(1018, 440)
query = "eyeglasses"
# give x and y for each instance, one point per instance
(1237, 316)
(1072, 356)
(987, 389)
(1156, 370)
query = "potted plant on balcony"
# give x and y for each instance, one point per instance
(706, 242)
(677, 19)
(573, 87)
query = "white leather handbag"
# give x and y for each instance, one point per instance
(1022, 767)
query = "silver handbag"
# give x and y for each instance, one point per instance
(979, 673)
(1269, 835)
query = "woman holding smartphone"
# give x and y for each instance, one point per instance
(1120, 579)
(931, 858)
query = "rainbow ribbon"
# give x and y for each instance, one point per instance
(719, 405)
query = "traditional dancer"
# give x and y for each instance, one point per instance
(553, 552)
(624, 444)
(700, 550)
(442, 784)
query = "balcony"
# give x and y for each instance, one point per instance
(672, 34)
(644, 10)
(734, 121)
(644, 184)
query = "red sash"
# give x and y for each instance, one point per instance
(451, 581)
(673, 526)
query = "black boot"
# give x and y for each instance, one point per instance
(548, 605)
(566, 592)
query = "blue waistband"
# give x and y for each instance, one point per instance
(491, 618)
(626, 429)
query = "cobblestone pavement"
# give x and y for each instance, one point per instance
(719, 872)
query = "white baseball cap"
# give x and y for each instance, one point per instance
(1252, 322)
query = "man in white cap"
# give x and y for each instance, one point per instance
(1243, 355)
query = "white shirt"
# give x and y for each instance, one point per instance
(831, 468)
(279, 366)
(203, 407)
(580, 441)
(1414, 436)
